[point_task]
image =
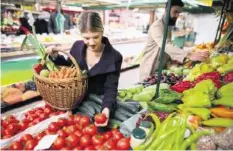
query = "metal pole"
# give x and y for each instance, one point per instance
(163, 47)
(215, 41)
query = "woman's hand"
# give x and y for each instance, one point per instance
(105, 111)
(198, 55)
(51, 50)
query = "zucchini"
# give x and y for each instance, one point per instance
(96, 107)
(95, 98)
(131, 108)
(132, 102)
(119, 116)
(85, 111)
(124, 112)
(89, 107)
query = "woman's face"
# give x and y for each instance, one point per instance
(92, 40)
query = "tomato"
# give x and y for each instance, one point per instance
(107, 135)
(23, 125)
(91, 130)
(85, 140)
(70, 120)
(89, 148)
(26, 137)
(39, 136)
(43, 116)
(62, 121)
(7, 132)
(78, 148)
(4, 123)
(25, 120)
(77, 118)
(38, 112)
(47, 132)
(100, 118)
(65, 148)
(7, 136)
(14, 128)
(53, 127)
(123, 144)
(36, 121)
(110, 144)
(30, 145)
(71, 129)
(97, 140)
(78, 133)
(62, 133)
(98, 147)
(84, 121)
(72, 140)
(114, 130)
(59, 143)
(47, 110)
(117, 136)
(11, 119)
(16, 146)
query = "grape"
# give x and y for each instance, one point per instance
(30, 85)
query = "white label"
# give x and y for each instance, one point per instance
(46, 142)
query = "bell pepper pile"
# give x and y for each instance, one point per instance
(182, 86)
(214, 76)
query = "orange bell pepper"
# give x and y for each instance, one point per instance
(222, 112)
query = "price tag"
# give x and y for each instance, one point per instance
(46, 142)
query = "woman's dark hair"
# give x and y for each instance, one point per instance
(176, 3)
(90, 21)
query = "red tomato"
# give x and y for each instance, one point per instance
(7, 136)
(107, 135)
(62, 133)
(39, 136)
(59, 143)
(79, 127)
(114, 130)
(78, 148)
(38, 112)
(30, 145)
(123, 144)
(47, 132)
(62, 121)
(53, 127)
(77, 118)
(11, 119)
(70, 120)
(91, 130)
(100, 118)
(71, 129)
(16, 146)
(84, 121)
(4, 123)
(14, 128)
(110, 144)
(72, 140)
(25, 120)
(47, 110)
(97, 140)
(65, 148)
(98, 147)
(117, 136)
(89, 148)
(7, 132)
(36, 121)
(26, 137)
(78, 133)
(43, 116)
(23, 125)
(85, 140)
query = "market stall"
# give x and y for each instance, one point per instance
(183, 107)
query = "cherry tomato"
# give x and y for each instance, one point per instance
(7, 132)
(16, 146)
(89, 148)
(117, 136)
(23, 126)
(100, 118)
(78, 133)
(26, 137)
(62, 121)
(14, 128)
(4, 123)
(72, 140)
(107, 135)
(62, 133)
(91, 130)
(97, 140)
(84, 121)
(53, 127)
(85, 141)
(59, 143)
(123, 144)
(43, 116)
(30, 145)
(39, 136)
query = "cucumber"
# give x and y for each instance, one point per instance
(128, 114)
(95, 98)
(85, 111)
(130, 108)
(119, 116)
(89, 107)
(96, 107)
(132, 102)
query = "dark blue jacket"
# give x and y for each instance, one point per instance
(103, 77)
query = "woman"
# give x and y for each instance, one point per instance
(24, 27)
(96, 55)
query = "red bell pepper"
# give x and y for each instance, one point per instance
(227, 78)
(38, 68)
(182, 86)
(214, 76)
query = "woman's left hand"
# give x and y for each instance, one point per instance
(105, 111)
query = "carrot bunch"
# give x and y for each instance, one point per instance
(63, 73)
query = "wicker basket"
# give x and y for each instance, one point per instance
(62, 94)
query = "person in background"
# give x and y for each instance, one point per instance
(24, 26)
(59, 22)
(151, 53)
(97, 56)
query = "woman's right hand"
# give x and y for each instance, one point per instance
(52, 50)
(198, 55)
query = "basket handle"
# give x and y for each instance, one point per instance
(69, 55)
